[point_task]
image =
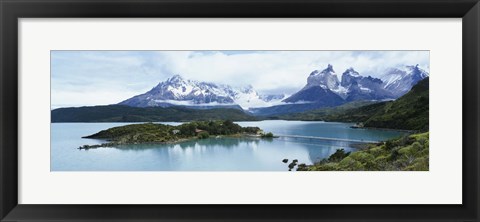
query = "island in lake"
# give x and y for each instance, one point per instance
(151, 133)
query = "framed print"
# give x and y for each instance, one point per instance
(226, 110)
(267, 123)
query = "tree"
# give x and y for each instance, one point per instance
(267, 135)
(203, 135)
(338, 155)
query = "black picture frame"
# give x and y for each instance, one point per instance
(12, 10)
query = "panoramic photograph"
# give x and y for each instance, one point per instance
(239, 110)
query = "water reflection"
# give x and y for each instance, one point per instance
(309, 150)
(224, 142)
(212, 154)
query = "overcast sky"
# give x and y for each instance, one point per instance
(84, 78)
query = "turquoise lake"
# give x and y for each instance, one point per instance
(213, 154)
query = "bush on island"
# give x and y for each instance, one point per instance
(203, 135)
(267, 135)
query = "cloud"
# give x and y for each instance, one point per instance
(107, 77)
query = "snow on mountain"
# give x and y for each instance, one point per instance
(353, 86)
(273, 98)
(326, 79)
(183, 92)
(363, 88)
(349, 76)
(400, 80)
(249, 98)
(320, 88)
(323, 89)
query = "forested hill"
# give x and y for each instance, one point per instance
(121, 113)
(409, 112)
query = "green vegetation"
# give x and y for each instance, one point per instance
(409, 112)
(120, 113)
(338, 155)
(203, 135)
(267, 135)
(410, 153)
(160, 133)
(330, 112)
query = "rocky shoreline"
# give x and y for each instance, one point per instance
(113, 144)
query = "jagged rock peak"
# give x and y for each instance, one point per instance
(328, 70)
(351, 71)
(327, 78)
(175, 78)
(400, 80)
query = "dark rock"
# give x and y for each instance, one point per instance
(291, 165)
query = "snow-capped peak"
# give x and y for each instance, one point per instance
(326, 79)
(400, 80)
(179, 91)
(248, 89)
(349, 76)
(328, 71)
(175, 78)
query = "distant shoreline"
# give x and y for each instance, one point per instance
(387, 129)
(372, 128)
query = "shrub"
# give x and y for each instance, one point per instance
(377, 151)
(406, 150)
(405, 153)
(338, 155)
(326, 167)
(389, 145)
(203, 135)
(350, 164)
(267, 135)
(416, 147)
(393, 155)
(362, 156)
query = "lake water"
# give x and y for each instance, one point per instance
(213, 154)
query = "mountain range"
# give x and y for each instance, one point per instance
(400, 80)
(409, 112)
(323, 89)
(177, 91)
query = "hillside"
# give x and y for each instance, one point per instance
(409, 112)
(409, 153)
(337, 113)
(120, 113)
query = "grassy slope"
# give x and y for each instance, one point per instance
(119, 113)
(407, 153)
